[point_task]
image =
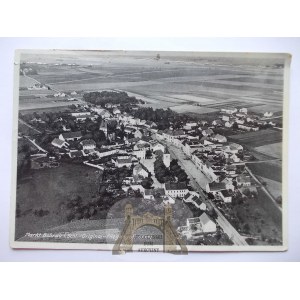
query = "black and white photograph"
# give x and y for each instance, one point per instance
(150, 151)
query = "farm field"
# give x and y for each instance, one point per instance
(267, 170)
(186, 108)
(45, 103)
(169, 81)
(26, 81)
(274, 187)
(274, 150)
(56, 185)
(258, 138)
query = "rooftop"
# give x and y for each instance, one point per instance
(175, 186)
(69, 135)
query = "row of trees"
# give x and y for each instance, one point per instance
(101, 98)
(163, 118)
(162, 173)
(178, 172)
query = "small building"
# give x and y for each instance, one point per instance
(229, 110)
(228, 124)
(151, 194)
(207, 132)
(88, 144)
(243, 180)
(193, 197)
(157, 146)
(268, 114)
(59, 143)
(243, 110)
(138, 134)
(217, 123)
(219, 138)
(215, 187)
(225, 196)
(116, 111)
(140, 170)
(207, 224)
(204, 224)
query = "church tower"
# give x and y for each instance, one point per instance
(167, 158)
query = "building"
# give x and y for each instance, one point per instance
(243, 180)
(59, 143)
(207, 224)
(215, 187)
(101, 112)
(154, 146)
(138, 134)
(189, 147)
(219, 138)
(70, 136)
(217, 123)
(203, 224)
(207, 132)
(193, 197)
(225, 196)
(140, 153)
(88, 144)
(140, 171)
(228, 124)
(248, 127)
(152, 194)
(178, 189)
(268, 114)
(116, 111)
(232, 148)
(124, 161)
(229, 110)
(170, 135)
(243, 110)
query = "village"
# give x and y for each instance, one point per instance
(111, 138)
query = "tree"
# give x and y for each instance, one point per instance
(246, 228)
(235, 126)
(148, 154)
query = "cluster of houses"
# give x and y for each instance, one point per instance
(221, 161)
(243, 120)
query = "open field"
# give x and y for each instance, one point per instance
(46, 189)
(274, 187)
(40, 104)
(267, 170)
(169, 81)
(274, 150)
(258, 138)
(186, 108)
(26, 82)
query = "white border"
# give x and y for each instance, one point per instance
(281, 45)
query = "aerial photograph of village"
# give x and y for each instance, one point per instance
(148, 145)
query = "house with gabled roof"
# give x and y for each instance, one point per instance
(140, 170)
(70, 136)
(88, 144)
(59, 143)
(202, 224)
(207, 132)
(215, 187)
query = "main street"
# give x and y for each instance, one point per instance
(198, 182)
